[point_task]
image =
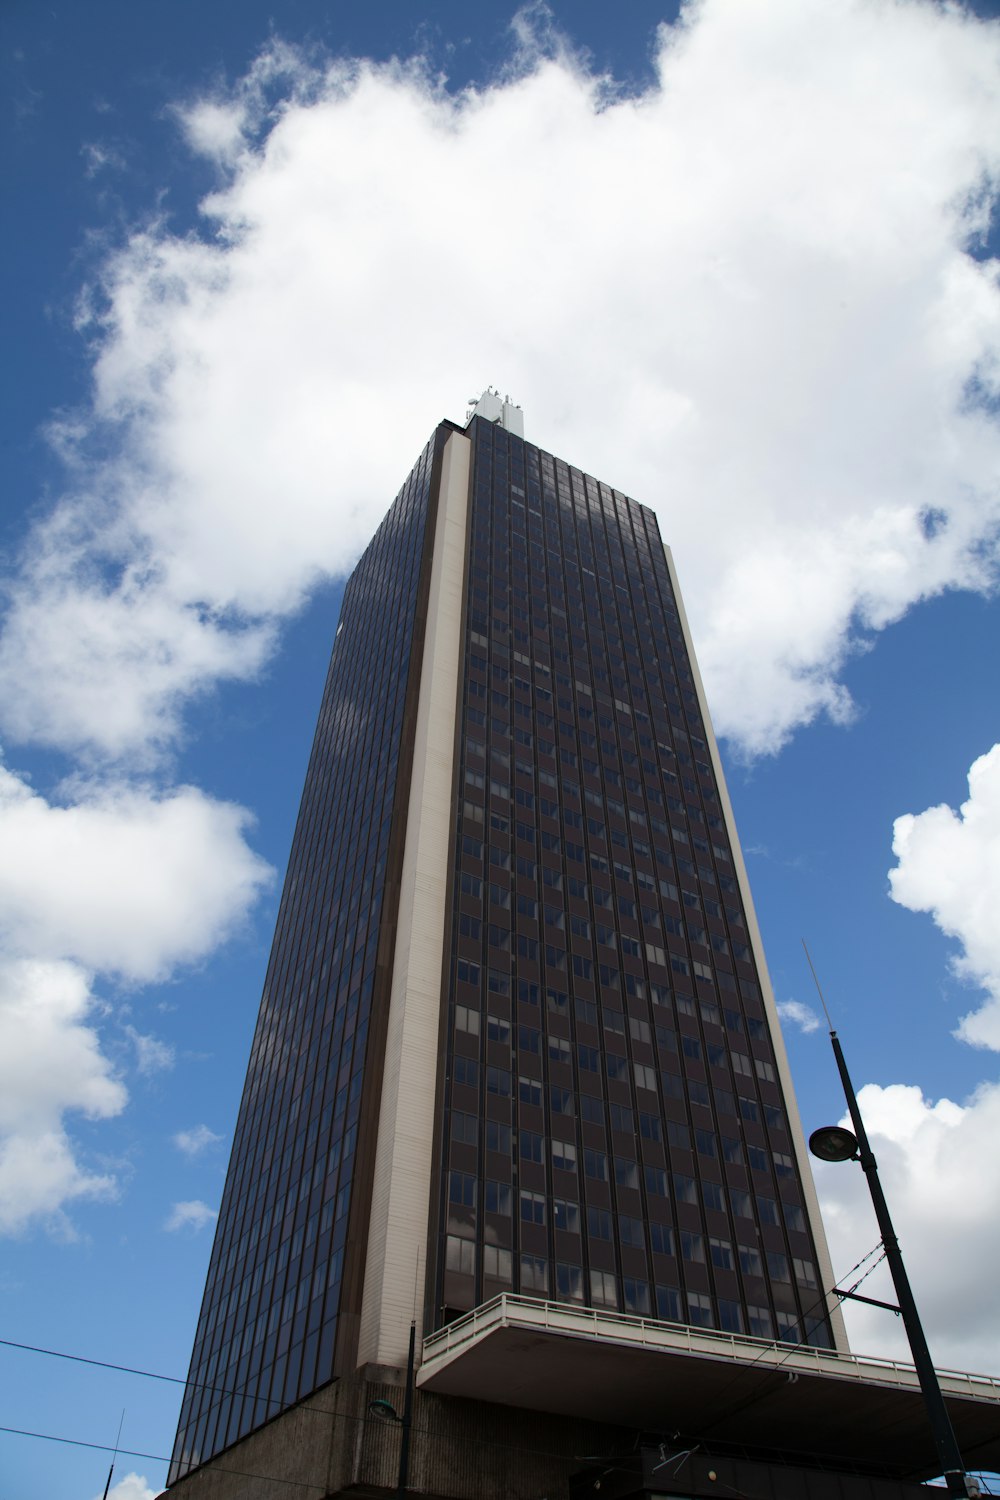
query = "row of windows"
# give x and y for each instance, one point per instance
(656, 1181)
(526, 1038)
(558, 920)
(569, 1282)
(731, 1149)
(595, 1060)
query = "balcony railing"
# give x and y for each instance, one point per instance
(572, 1321)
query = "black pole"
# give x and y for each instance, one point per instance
(404, 1442)
(952, 1466)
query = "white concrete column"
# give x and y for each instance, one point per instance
(397, 1233)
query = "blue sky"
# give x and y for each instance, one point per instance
(742, 269)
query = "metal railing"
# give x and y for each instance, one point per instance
(573, 1321)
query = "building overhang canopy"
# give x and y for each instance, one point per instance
(707, 1386)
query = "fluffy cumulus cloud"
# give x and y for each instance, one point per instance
(193, 1215)
(949, 865)
(51, 1066)
(122, 879)
(751, 295)
(122, 882)
(132, 1487)
(945, 1207)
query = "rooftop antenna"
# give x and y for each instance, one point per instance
(819, 992)
(114, 1456)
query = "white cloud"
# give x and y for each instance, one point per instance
(124, 880)
(193, 1215)
(132, 1487)
(151, 1055)
(214, 129)
(935, 1161)
(50, 1066)
(802, 1016)
(196, 1140)
(778, 279)
(949, 866)
(222, 127)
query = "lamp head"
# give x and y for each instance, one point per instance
(384, 1409)
(833, 1143)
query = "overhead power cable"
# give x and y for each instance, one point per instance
(792, 1348)
(319, 1411)
(50, 1437)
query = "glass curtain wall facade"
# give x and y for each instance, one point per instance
(614, 1130)
(277, 1283)
(609, 1123)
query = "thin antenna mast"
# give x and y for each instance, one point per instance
(118, 1439)
(818, 990)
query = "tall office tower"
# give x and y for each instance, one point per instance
(517, 1047)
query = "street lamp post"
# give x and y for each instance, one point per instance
(386, 1411)
(834, 1143)
(404, 1442)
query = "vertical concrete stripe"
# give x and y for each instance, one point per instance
(397, 1233)
(825, 1268)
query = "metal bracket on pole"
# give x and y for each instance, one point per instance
(872, 1301)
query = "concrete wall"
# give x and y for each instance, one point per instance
(331, 1445)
